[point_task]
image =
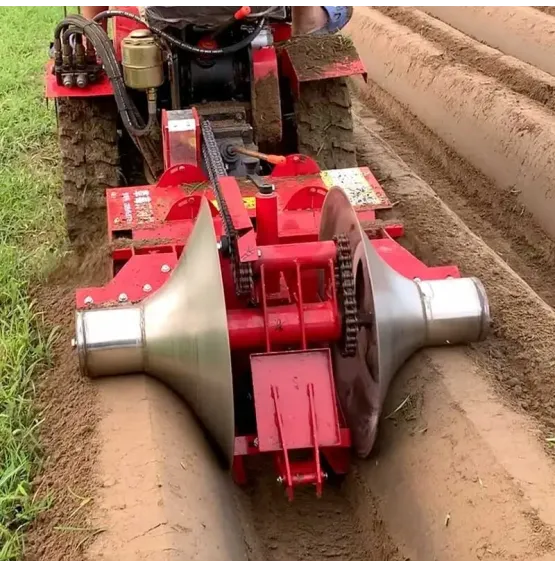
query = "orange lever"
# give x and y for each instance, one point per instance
(270, 158)
(242, 12)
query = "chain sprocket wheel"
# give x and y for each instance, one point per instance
(345, 282)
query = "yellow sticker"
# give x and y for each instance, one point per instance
(355, 185)
(250, 203)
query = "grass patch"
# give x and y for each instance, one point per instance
(31, 233)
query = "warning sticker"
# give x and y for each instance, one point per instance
(250, 203)
(355, 185)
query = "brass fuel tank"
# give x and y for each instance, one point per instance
(142, 61)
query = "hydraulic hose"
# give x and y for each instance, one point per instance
(105, 50)
(245, 42)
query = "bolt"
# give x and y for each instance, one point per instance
(122, 297)
(280, 480)
(255, 442)
(147, 288)
(325, 475)
(88, 300)
(259, 252)
(73, 342)
(113, 194)
(165, 268)
(116, 220)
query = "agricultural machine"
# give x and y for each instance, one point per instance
(253, 270)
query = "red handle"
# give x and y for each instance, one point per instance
(242, 12)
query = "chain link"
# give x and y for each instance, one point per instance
(242, 271)
(345, 282)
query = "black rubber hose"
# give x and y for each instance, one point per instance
(245, 42)
(97, 36)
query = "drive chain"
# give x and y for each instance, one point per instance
(242, 271)
(345, 282)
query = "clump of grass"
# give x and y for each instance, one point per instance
(31, 232)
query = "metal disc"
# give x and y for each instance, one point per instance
(357, 378)
(186, 334)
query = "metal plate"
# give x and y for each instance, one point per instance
(186, 334)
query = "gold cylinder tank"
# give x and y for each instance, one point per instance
(142, 61)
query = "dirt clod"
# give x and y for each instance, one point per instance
(311, 55)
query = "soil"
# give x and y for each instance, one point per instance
(266, 113)
(68, 407)
(506, 137)
(337, 527)
(520, 77)
(310, 55)
(550, 10)
(463, 469)
(519, 31)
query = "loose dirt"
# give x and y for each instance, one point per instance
(265, 113)
(310, 55)
(69, 411)
(342, 526)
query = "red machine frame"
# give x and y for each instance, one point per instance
(286, 337)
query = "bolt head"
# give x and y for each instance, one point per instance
(116, 220)
(279, 480)
(88, 300)
(122, 297)
(113, 194)
(147, 288)
(165, 268)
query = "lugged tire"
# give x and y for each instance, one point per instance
(88, 139)
(325, 124)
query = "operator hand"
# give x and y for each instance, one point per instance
(320, 20)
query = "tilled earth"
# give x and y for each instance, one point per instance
(458, 132)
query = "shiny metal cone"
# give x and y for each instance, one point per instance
(178, 335)
(186, 334)
(402, 315)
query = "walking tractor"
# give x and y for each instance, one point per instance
(254, 269)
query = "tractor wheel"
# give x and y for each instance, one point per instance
(325, 124)
(88, 139)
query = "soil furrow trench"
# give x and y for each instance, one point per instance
(520, 77)
(519, 31)
(503, 224)
(507, 139)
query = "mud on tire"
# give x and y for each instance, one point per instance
(88, 139)
(325, 124)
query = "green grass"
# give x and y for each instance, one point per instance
(31, 233)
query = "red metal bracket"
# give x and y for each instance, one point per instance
(310, 418)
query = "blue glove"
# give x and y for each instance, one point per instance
(338, 18)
